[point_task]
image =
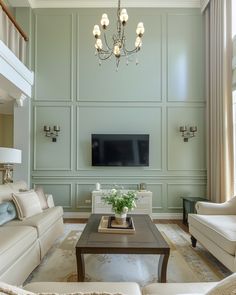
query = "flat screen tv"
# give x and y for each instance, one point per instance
(120, 150)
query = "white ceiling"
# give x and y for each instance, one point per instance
(103, 3)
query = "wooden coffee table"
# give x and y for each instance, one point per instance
(146, 240)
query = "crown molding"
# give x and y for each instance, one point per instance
(17, 3)
(106, 3)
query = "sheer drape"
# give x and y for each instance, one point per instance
(234, 63)
(11, 36)
(219, 115)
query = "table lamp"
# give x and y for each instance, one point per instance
(8, 157)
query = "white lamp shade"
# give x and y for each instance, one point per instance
(10, 156)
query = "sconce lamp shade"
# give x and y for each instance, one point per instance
(10, 156)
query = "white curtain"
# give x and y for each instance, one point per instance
(219, 116)
(11, 36)
(204, 4)
(234, 63)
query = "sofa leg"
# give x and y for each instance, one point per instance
(194, 241)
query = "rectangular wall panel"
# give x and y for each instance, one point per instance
(119, 120)
(53, 57)
(186, 155)
(185, 69)
(177, 190)
(129, 83)
(50, 155)
(61, 192)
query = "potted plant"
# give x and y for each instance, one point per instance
(121, 202)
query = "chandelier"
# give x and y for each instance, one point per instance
(118, 44)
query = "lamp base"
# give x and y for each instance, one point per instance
(8, 173)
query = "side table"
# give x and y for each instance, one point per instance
(189, 206)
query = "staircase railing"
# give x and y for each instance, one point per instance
(11, 33)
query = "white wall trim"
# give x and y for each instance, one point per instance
(105, 3)
(154, 215)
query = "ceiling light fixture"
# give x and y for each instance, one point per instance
(118, 48)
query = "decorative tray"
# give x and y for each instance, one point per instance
(108, 225)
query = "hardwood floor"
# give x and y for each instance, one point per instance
(162, 221)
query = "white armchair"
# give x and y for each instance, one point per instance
(214, 227)
(226, 208)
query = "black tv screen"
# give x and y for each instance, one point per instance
(120, 150)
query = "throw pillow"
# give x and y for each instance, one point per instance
(7, 212)
(227, 286)
(27, 204)
(42, 198)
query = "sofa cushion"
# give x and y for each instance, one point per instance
(7, 212)
(227, 286)
(27, 204)
(85, 287)
(14, 242)
(218, 228)
(42, 222)
(6, 289)
(42, 198)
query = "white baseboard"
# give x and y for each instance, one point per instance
(154, 215)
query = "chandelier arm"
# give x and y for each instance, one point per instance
(105, 39)
(104, 57)
(129, 52)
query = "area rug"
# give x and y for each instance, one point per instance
(185, 263)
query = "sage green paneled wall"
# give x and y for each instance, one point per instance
(165, 91)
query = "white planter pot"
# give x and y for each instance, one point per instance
(120, 218)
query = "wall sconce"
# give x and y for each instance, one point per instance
(53, 134)
(188, 133)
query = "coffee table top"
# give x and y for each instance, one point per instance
(146, 239)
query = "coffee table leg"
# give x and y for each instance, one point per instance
(162, 268)
(80, 266)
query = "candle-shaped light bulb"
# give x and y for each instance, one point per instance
(104, 21)
(193, 129)
(96, 31)
(98, 44)
(46, 128)
(56, 128)
(124, 16)
(182, 128)
(116, 50)
(140, 29)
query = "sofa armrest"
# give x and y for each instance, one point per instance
(50, 201)
(226, 208)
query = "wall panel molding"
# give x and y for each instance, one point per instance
(184, 194)
(72, 61)
(35, 167)
(70, 198)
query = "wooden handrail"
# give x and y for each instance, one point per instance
(11, 17)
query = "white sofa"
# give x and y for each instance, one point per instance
(121, 288)
(214, 227)
(226, 286)
(24, 243)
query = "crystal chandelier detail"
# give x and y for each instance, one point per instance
(118, 47)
